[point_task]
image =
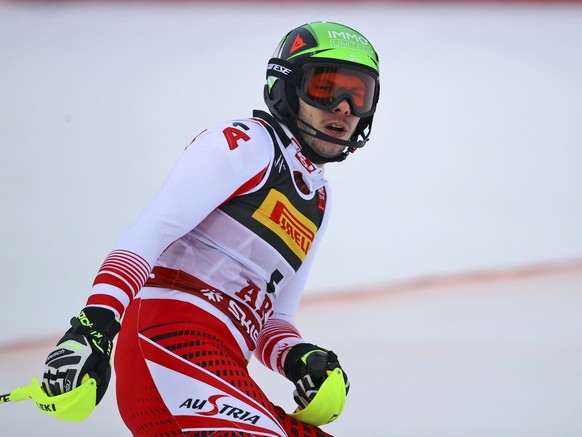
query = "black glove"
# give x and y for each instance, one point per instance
(84, 349)
(306, 366)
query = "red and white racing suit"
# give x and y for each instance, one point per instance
(211, 271)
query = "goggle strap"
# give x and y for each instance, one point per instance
(285, 70)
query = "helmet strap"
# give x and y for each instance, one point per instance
(300, 129)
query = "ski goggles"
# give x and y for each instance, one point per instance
(325, 87)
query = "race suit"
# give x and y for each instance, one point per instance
(210, 272)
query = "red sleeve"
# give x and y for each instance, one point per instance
(276, 337)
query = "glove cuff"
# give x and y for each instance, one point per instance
(97, 319)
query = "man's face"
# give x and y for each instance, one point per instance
(337, 122)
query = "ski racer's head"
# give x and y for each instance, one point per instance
(323, 83)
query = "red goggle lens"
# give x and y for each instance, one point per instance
(326, 87)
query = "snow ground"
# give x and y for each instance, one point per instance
(500, 357)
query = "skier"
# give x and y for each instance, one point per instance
(214, 267)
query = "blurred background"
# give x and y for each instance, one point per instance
(456, 235)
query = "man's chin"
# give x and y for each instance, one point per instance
(329, 150)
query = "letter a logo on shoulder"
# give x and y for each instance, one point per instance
(298, 43)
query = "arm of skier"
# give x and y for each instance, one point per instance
(213, 168)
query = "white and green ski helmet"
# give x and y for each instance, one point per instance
(314, 44)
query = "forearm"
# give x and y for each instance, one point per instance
(277, 336)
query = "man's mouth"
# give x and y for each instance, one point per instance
(336, 129)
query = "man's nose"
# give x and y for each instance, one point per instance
(343, 107)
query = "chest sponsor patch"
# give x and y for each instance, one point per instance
(279, 215)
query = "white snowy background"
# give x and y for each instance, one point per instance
(475, 165)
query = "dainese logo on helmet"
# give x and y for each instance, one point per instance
(279, 68)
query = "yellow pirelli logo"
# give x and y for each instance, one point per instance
(279, 215)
